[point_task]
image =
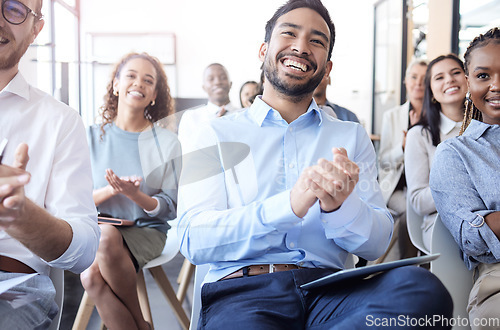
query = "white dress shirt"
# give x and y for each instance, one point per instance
(59, 163)
(192, 119)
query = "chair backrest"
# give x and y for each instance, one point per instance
(351, 261)
(451, 269)
(199, 275)
(414, 223)
(57, 277)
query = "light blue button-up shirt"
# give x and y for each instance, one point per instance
(464, 182)
(234, 199)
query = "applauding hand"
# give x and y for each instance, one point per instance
(329, 181)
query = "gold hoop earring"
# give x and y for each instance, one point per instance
(115, 92)
(434, 100)
(153, 103)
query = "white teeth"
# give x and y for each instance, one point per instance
(295, 65)
(451, 90)
(495, 102)
(3, 40)
(135, 93)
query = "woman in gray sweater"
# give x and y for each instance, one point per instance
(133, 164)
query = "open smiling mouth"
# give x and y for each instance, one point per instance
(494, 102)
(451, 90)
(135, 93)
(295, 65)
(3, 41)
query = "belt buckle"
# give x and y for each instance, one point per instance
(271, 268)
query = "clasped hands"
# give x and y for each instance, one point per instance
(12, 181)
(330, 182)
(126, 185)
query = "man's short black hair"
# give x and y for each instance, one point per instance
(315, 5)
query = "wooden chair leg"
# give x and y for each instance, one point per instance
(166, 288)
(143, 298)
(185, 265)
(84, 312)
(185, 280)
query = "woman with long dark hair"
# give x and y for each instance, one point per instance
(442, 113)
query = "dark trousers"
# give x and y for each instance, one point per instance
(407, 297)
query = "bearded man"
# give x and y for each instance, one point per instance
(47, 215)
(295, 194)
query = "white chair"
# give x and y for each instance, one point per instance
(199, 275)
(414, 223)
(451, 269)
(201, 272)
(155, 268)
(57, 277)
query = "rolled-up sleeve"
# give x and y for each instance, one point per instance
(461, 206)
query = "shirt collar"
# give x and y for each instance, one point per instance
(260, 110)
(477, 128)
(17, 86)
(214, 109)
(447, 125)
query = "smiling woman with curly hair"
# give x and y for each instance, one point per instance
(132, 180)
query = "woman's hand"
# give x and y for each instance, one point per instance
(128, 186)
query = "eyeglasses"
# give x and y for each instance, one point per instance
(16, 12)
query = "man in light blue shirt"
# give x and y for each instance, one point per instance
(281, 194)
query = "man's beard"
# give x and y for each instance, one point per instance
(297, 90)
(11, 56)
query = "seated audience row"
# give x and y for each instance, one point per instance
(287, 195)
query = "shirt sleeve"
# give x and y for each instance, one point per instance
(362, 225)
(203, 211)
(69, 195)
(417, 170)
(167, 198)
(461, 207)
(188, 130)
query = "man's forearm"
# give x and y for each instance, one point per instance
(45, 235)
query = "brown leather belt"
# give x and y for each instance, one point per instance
(254, 270)
(14, 266)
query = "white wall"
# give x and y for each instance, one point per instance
(230, 32)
